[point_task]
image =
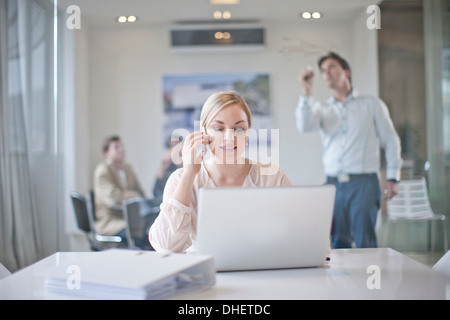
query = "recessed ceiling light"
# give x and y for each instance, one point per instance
(123, 19)
(221, 15)
(309, 15)
(306, 15)
(226, 15)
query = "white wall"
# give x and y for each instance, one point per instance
(127, 66)
(124, 93)
(364, 58)
(75, 134)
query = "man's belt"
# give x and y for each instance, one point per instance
(344, 178)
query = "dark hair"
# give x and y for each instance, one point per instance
(108, 140)
(342, 62)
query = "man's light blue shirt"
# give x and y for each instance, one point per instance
(352, 132)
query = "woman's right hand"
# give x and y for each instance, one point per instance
(192, 158)
(192, 162)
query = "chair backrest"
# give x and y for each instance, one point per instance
(84, 213)
(411, 201)
(92, 204)
(136, 223)
(81, 211)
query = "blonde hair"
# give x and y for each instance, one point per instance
(220, 100)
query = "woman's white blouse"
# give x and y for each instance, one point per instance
(175, 229)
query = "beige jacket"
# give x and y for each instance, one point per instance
(175, 229)
(109, 191)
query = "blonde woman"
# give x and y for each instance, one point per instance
(225, 120)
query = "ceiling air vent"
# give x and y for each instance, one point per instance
(215, 38)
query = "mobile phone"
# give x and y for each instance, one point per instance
(203, 145)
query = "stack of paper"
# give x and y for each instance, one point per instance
(131, 274)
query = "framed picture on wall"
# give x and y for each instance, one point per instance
(185, 94)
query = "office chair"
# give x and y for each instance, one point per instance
(139, 214)
(412, 204)
(85, 221)
(91, 199)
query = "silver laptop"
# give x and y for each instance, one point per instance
(265, 228)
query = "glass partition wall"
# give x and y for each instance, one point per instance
(37, 99)
(29, 198)
(437, 63)
(414, 67)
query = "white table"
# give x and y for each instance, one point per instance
(345, 277)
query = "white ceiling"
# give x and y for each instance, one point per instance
(105, 12)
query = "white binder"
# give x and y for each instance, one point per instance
(132, 274)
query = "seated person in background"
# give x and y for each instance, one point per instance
(225, 120)
(114, 181)
(167, 167)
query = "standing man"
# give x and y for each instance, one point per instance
(352, 128)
